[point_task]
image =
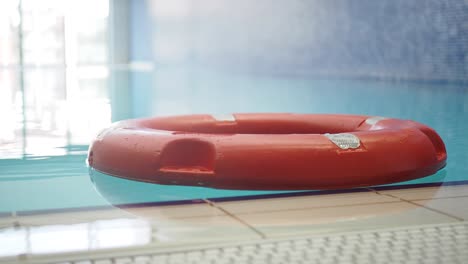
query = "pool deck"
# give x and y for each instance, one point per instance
(215, 221)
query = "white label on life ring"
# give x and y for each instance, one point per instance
(344, 140)
(224, 118)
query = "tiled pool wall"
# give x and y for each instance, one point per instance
(390, 39)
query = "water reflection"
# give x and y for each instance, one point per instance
(121, 192)
(86, 236)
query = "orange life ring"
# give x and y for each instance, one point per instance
(268, 151)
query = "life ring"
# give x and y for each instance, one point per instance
(268, 151)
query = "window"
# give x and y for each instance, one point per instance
(53, 74)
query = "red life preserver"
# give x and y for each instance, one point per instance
(268, 151)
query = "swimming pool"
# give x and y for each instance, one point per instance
(35, 182)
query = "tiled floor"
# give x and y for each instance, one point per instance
(72, 217)
(347, 211)
(452, 206)
(337, 219)
(448, 200)
(202, 229)
(426, 193)
(305, 202)
(175, 211)
(210, 221)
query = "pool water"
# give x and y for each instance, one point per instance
(63, 181)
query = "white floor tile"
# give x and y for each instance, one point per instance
(304, 202)
(214, 228)
(453, 206)
(336, 219)
(175, 211)
(429, 192)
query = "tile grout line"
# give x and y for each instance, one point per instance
(263, 236)
(441, 198)
(314, 208)
(420, 205)
(16, 223)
